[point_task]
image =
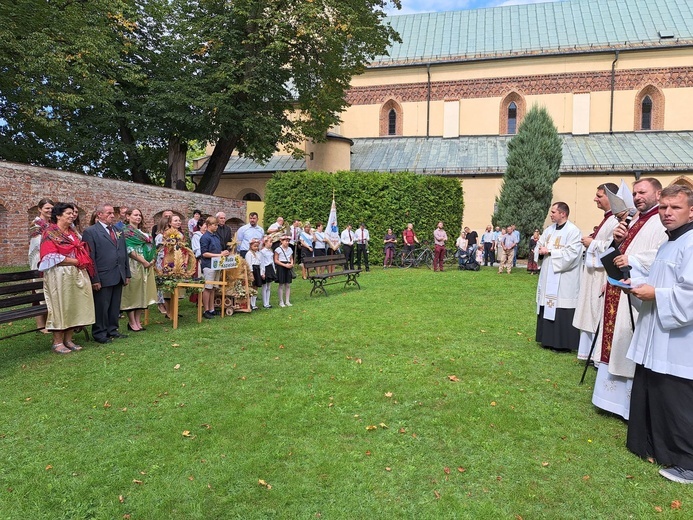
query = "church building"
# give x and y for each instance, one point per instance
(616, 76)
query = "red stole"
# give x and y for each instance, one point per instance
(606, 217)
(612, 294)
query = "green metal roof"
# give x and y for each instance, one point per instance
(473, 155)
(552, 27)
(479, 155)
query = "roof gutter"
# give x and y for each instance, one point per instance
(613, 85)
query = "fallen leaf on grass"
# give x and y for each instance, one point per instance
(586, 478)
(49, 467)
(207, 426)
(126, 516)
(453, 378)
(388, 468)
(106, 404)
(186, 433)
(190, 477)
(264, 484)
(436, 494)
(383, 425)
(493, 403)
(368, 453)
(177, 366)
(388, 394)
(676, 504)
(446, 470)
(402, 430)
(658, 509)
(137, 481)
(121, 499)
(482, 331)
(371, 427)
(358, 361)
(461, 469)
(544, 464)
(175, 345)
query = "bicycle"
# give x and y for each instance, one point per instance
(422, 256)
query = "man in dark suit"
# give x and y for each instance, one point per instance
(109, 253)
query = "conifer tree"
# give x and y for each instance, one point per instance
(534, 158)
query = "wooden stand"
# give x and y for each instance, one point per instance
(198, 285)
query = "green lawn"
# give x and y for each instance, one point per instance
(423, 395)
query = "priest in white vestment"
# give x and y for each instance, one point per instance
(558, 251)
(639, 244)
(588, 312)
(661, 419)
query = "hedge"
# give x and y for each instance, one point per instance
(379, 200)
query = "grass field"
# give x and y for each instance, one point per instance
(423, 395)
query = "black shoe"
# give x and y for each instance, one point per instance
(103, 340)
(118, 335)
(208, 315)
(135, 330)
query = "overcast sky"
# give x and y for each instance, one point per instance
(427, 6)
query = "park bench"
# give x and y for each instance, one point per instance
(19, 299)
(320, 280)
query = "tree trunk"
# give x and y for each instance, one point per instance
(215, 166)
(175, 172)
(138, 172)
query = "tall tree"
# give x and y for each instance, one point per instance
(534, 159)
(275, 72)
(59, 61)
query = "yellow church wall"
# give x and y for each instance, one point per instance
(678, 108)
(576, 190)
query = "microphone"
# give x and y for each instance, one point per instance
(629, 217)
(631, 213)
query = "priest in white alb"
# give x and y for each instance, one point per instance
(661, 416)
(588, 312)
(558, 251)
(638, 242)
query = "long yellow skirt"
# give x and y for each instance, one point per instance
(140, 293)
(68, 294)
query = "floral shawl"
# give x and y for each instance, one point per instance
(67, 244)
(136, 239)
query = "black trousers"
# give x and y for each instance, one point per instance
(107, 310)
(349, 255)
(661, 418)
(362, 249)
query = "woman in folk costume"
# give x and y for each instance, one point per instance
(36, 229)
(66, 267)
(140, 293)
(558, 253)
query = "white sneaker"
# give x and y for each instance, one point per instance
(281, 304)
(288, 304)
(678, 474)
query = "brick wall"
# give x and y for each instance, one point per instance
(22, 186)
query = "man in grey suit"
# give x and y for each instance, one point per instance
(109, 253)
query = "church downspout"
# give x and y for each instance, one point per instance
(613, 86)
(428, 102)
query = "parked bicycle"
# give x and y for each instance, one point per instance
(421, 256)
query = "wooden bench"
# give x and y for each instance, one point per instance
(19, 299)
(320, 280)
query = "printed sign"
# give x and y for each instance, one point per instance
(219, 263)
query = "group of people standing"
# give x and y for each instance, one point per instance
(637, 330)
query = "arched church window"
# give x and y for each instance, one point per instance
(646, 115)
